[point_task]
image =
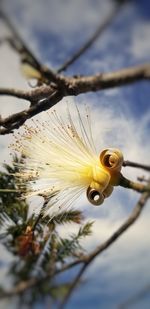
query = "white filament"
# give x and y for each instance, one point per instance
(59, 159)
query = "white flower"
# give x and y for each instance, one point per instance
(60, 161)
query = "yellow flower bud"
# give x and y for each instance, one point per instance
(95, 197)
(112, 159)
(99, 183)
(115, 178)
(108, 191)
(100, 178)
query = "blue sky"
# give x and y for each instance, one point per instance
(121, 118)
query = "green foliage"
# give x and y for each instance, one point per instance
(38, 248)
(69, 247)
(10, 203)
(85, 230)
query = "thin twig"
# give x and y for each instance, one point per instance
(37, 270)
(135, 298)
(137, 165)
(23, 286)
(44, 97)
(142, 179)
(17, 93)
(137, 186)
(92, 39)
(32, 96)
(133, 217)
(52, 265)
(20, 46)
(17, 120)
(74, 284)
(40, 215)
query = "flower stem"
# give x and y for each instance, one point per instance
(126, 183)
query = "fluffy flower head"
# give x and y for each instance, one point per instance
(60, 162)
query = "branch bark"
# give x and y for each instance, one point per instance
(44, 97)
(136, 165)
(17, 120)
(83, 84)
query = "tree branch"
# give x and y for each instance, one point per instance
(17, 43)
(93, 38)
(136, 165)
(135, 298)
(89, 259)
(16, 120)
(44, 97)
(137, 186)
(21, 94)
(83, 84)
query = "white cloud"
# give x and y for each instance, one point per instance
(125, 262)
(10, 76)
(59, 16)
(140, 45)
(63, 21)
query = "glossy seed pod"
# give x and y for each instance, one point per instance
(111, 159)
(95, 197)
